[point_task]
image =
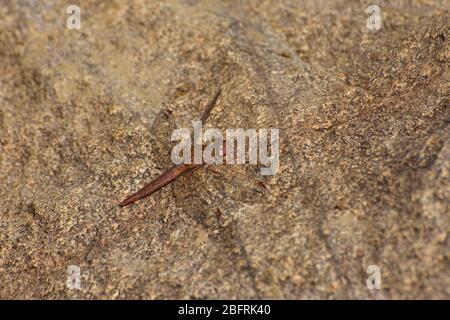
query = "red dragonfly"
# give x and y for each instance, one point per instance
(177, 171)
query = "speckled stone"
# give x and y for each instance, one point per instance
(364, 166)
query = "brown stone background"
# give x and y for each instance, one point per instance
(365, 151)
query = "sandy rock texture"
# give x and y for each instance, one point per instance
(365, 149)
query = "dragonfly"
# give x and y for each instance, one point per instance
(181, 170)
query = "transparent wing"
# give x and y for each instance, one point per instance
(222, 183)
(241, 180)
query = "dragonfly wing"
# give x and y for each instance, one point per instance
(241, 183)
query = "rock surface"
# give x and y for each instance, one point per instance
(365, 150)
